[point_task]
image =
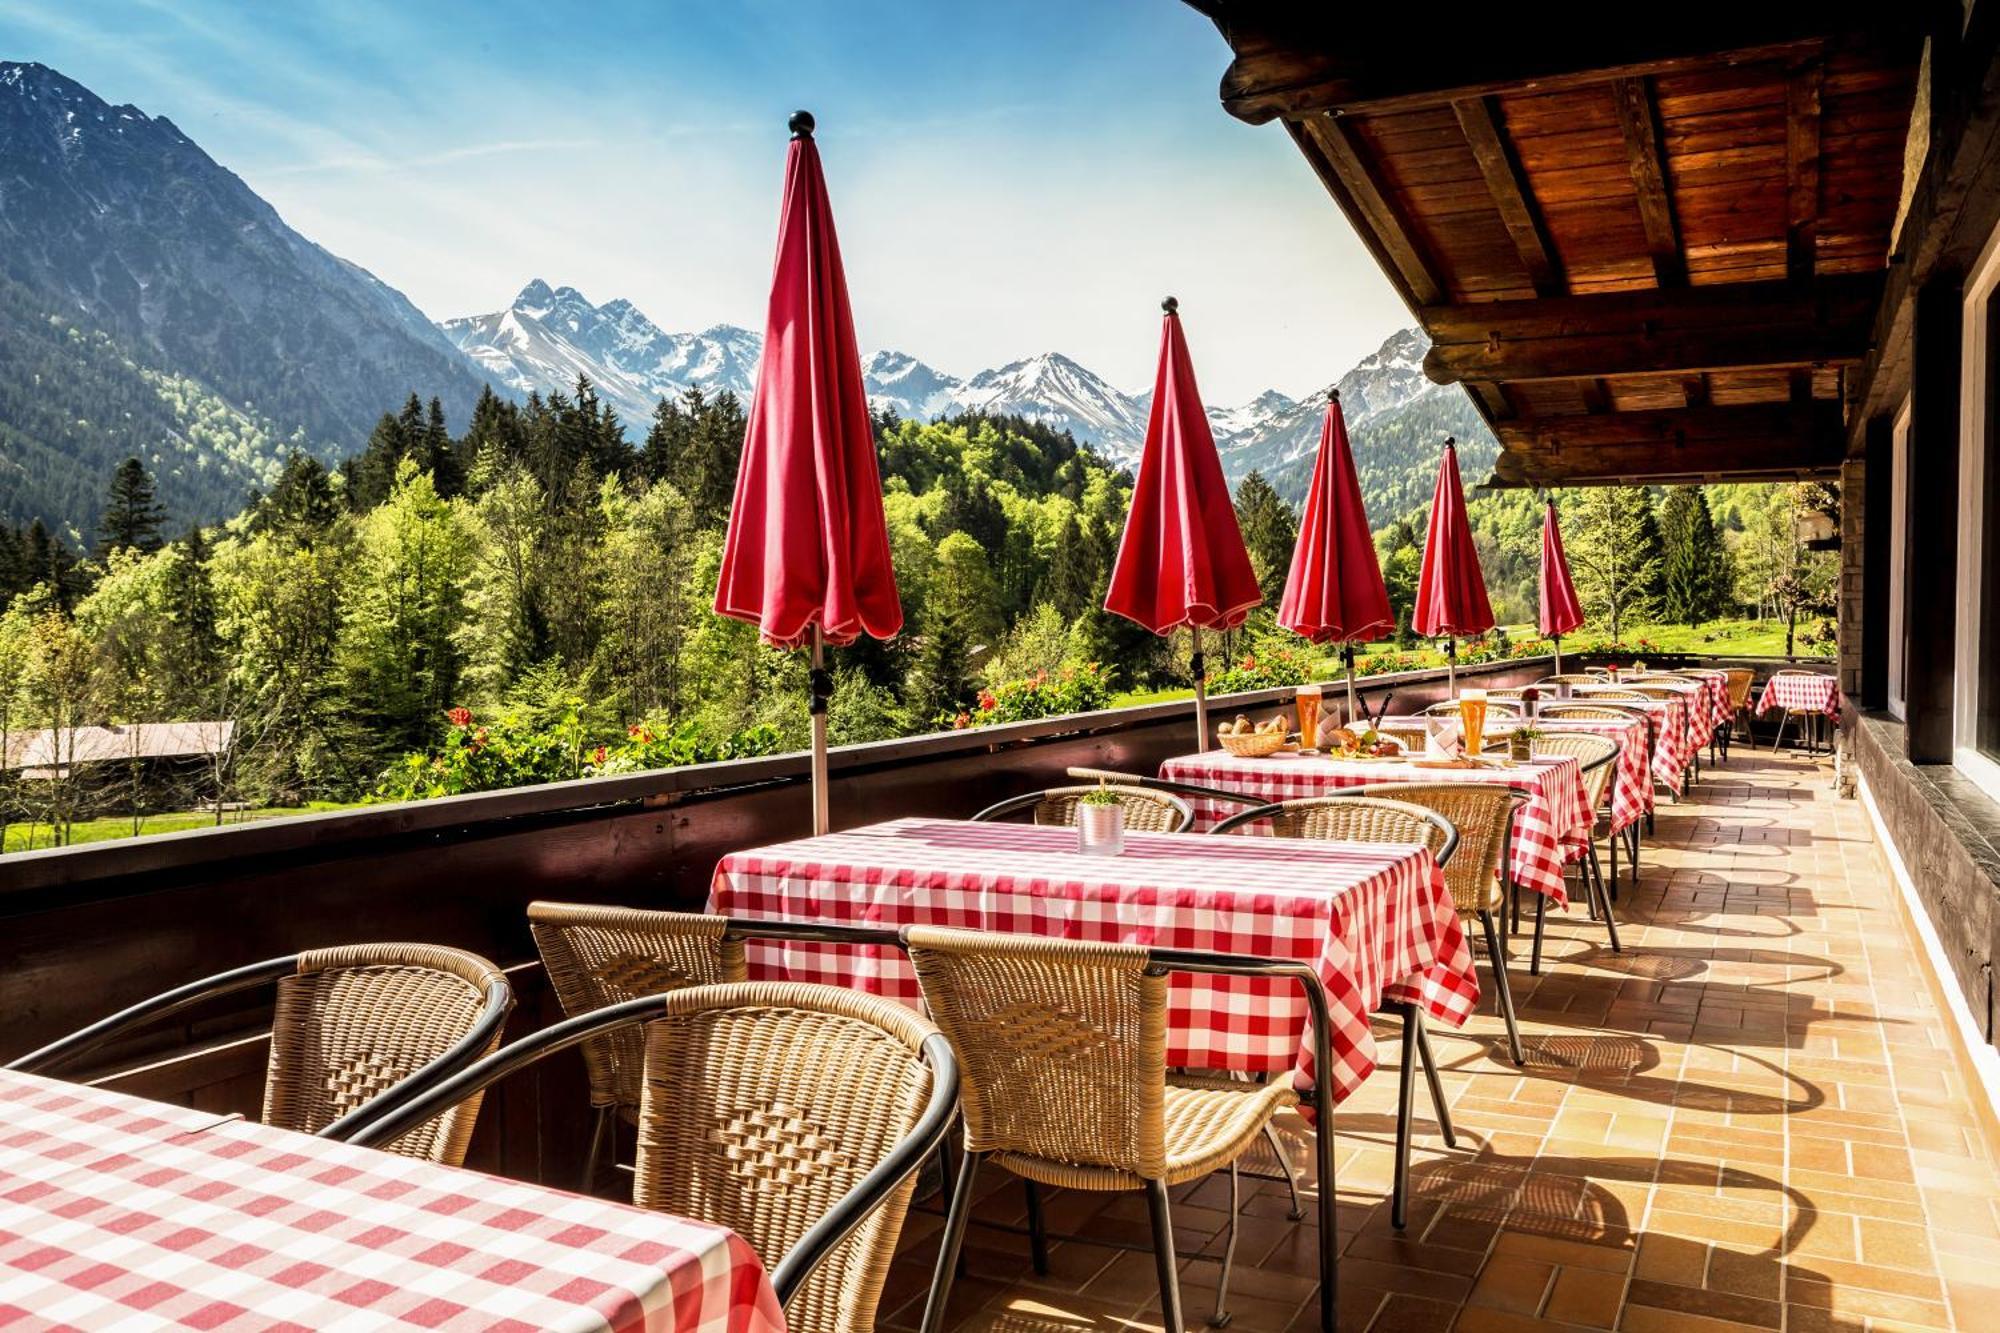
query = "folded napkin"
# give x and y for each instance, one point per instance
(1441, 740)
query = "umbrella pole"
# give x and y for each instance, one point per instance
(1451, 664)
(1200, 669)
(821, 686)
(1557, 639)
(1347, 658)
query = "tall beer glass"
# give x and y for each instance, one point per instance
(1308, 701)
(1472, 718)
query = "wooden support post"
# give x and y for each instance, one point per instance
(1877, 494)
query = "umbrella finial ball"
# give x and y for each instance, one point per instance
(1171, 305)
(1334, 394)
(801, 124)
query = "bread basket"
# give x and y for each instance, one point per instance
(1256, 745)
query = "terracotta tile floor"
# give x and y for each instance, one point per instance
(1749, 1120)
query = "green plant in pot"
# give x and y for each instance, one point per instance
(1100, 823)
(1521, 745)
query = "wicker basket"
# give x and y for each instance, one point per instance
(1254, 746)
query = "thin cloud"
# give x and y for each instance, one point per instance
(375, 162)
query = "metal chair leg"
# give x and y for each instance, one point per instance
(1615, 839)
(1220, 1319)
(1503, 994)
(1038, 1232)
(598, 1133)
(1438, 1103)
(1541, 919)
(1163, 1256)
(1399, 1203)
(1604, 898)
(953, 1240)
(1285, 1164)
(1778, 740)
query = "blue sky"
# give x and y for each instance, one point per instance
(1008, 178)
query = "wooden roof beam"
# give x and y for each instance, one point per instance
(1297, 60)
(1713, 444)
(1479, 118)
(1683, 330)
(1806, 427)
(1348, 178)
(1802, 122)
(1639, 122)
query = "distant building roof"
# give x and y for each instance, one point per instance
(40, 753)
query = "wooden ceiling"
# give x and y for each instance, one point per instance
(1648, 255)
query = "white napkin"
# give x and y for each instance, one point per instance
(1441, 739)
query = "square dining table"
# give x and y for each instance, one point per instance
(1374, 921)
(117, 1212)
(1556, 812)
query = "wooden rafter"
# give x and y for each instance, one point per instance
(1802, 122)
(1639, 122)
(1479, 118)
(1348, 178)
(1675, 427)
(1682, 330)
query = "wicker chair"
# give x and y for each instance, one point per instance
(599, 956)
(1063, 1046)
(1146, 811)
(1495, 707)
(356, 1032)
(1599, 757)
(1572, 678)
(1740, 679)
(796, 1115)
(1483, 814)
(1345, 818)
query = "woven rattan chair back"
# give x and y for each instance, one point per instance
(599, 956)
(1626, 693)
(1571, 678)
(1586, 712)
(1357, 819)
(1597, 754)
(1495, 707)
(1647, 691)
(1481, 812)
(1740, 679)
(355, 1020)
(1145, 811)
(764, 1104)
(1062, 1047)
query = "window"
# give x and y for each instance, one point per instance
(1976, 688)
(1899, 493)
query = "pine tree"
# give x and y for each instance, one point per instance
(302, 503)
(1686, 530)
(132, 513)
(190, 605)
(1068, 582)
(1270, 531)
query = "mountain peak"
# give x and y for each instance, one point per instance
(536, 296)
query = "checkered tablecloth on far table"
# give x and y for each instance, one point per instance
(1631, 784)
(1716, 684)
(1800, 692)
(1673, 740)
(120, 1213)
(1554, 812)
(1375, 922)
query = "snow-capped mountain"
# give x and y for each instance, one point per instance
(550, 336)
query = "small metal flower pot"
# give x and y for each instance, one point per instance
(1100, 829)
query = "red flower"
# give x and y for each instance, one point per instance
(962, 721)
(1249, 664)
(987, 702)
(459, 717)
(597, 756)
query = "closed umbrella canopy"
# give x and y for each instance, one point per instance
(1334, 591)
(806, 558)
(1181, 560)
(1451, 590)
(1558, 611)
(807, 545)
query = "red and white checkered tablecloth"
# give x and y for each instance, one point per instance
(1375, 922)
(1673, 741)
(117, 1213)
(1716, 685)
(1800, 692)
(1631, 783)
(1555, 811)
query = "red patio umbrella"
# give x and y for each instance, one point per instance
(806, 558)
(1557, 611)
(1334, 592)
(1181, 560)
(1451, 592)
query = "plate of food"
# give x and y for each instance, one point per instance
(1363, 744)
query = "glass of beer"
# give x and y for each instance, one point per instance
(1472, 718)
(1308, 702)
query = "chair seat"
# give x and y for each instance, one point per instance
(1210, 1122)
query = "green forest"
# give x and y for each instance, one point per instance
(528, 600)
